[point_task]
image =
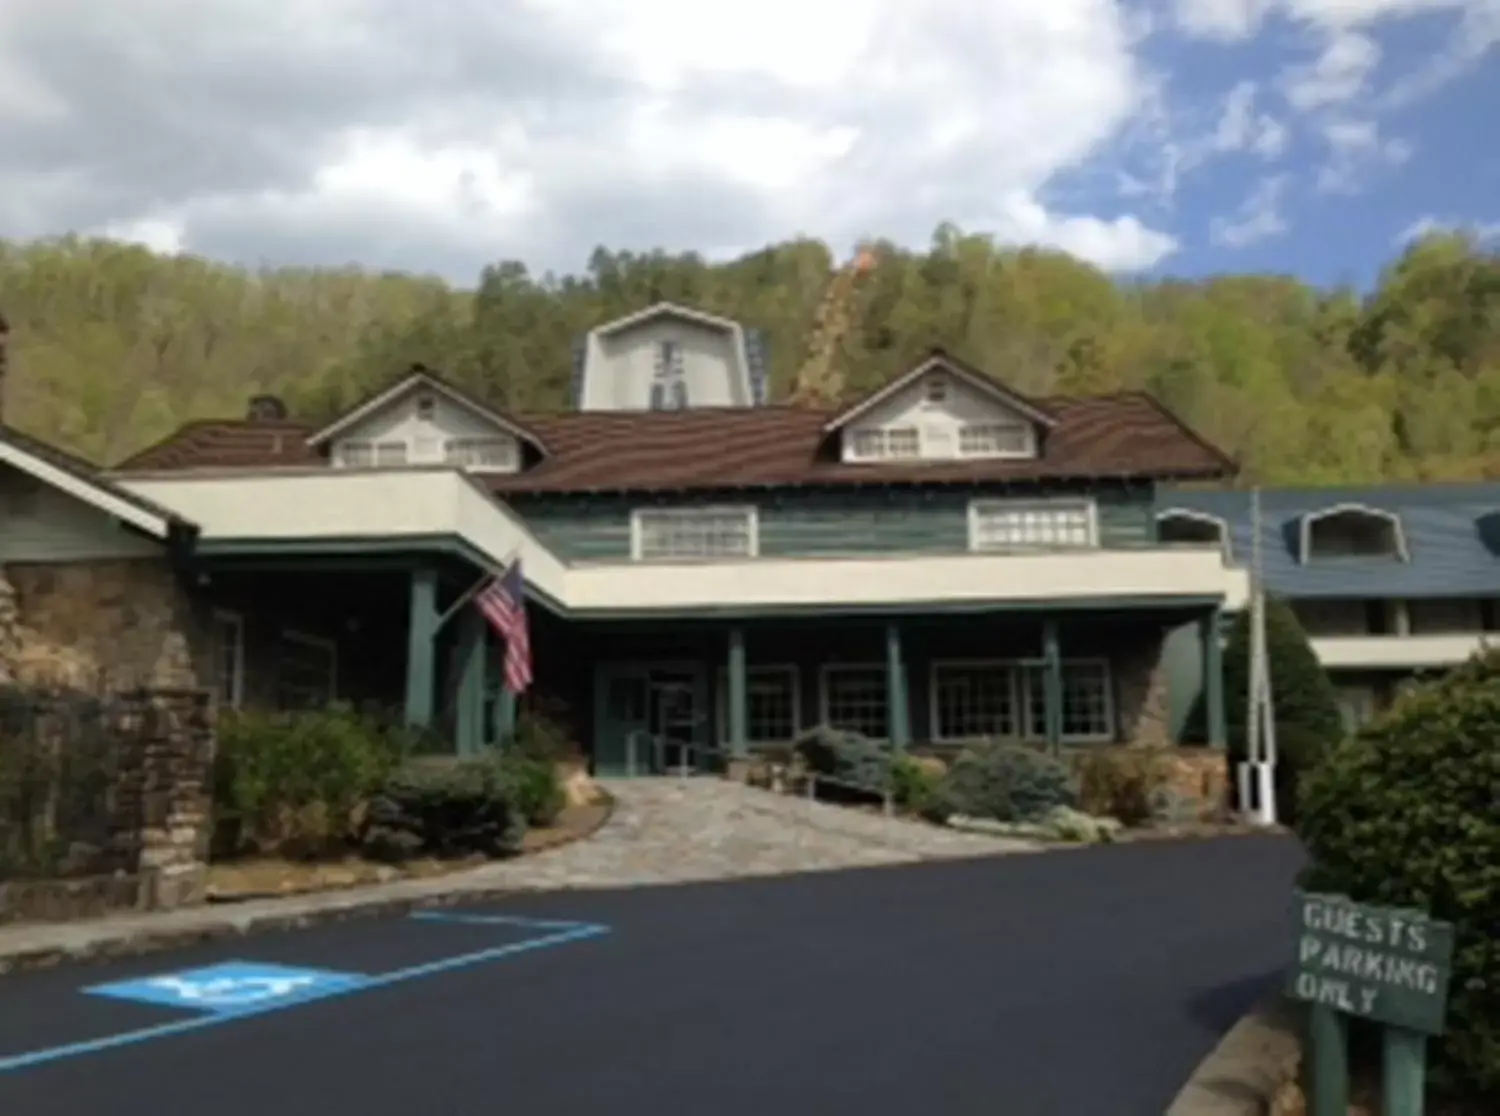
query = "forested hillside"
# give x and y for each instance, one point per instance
(112, 346)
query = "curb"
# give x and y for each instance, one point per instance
(109, 939)
(1241, 1076)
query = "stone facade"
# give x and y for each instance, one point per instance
(104, 625)
(1143, 693)
(155, 824)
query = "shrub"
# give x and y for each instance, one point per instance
(1006, 782)
(860, 765)
(532, 787)
(1127, 784)
(443, 806)
(1407, 813)
(541, 738)
(295, 781)
(914, 783)
(1305, 708)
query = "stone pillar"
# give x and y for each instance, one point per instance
(163, 816)
(895, 689)
(421, 650)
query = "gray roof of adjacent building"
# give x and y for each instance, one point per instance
(1450, 534)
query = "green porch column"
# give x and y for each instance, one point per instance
(473, 640)
(1052, 687)
(1210, 629)
(739, 698)
(421, 652)
(895, 689)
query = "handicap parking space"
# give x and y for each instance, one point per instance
(75, 1011)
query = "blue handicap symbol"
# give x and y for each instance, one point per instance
(232, 986)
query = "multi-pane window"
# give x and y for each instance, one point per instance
(1027, 525)
(229, 659)
(1009, 700)
(662, 534)
(306, 671)
(975, 700)
(480, 453)
(890, 444)
(363, 455)
(855, 699)
(771, 715)
(994, 439)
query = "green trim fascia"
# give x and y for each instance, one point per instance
(421, 545)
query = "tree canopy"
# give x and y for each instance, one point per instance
(113, 346)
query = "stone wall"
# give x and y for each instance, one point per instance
(1142, 691)
(157, 823)
(103, 625)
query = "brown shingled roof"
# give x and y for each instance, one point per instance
(1128, 435)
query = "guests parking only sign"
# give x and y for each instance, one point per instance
(1386, 964)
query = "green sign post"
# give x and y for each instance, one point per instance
(1386, 964)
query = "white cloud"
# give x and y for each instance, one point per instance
(1341, 73)
(1357, 150)
(1259, 218)
(448, 134)
(1483, 231)
(1242, 128)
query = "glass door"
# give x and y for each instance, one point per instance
(674, 717)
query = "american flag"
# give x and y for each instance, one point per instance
(503, 603)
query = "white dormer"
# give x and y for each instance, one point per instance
(941, 411)
(666, 357)
(424, 421)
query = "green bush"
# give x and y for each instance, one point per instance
(444, 806)
(540, 738)
(295, 781)
(532, 787)
(1006, 782)
(1407, 813)
(1305, 707)
(860, 766)
(913, 785)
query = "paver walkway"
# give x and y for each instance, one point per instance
(663, 831)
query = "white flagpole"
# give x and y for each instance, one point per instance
(1261, 743)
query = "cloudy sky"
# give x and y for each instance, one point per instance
(1184, 136)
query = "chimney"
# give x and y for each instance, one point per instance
(4, 342)
(265, 408)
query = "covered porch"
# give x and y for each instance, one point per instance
(932, 681)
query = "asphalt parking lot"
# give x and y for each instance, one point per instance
(1084, 983)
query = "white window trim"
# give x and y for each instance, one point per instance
(827, 669)
(322, 643)
(373, 448)
(236, 621)
(750, 511)
(1016, 669)
(1192, 515)
(851, 442)
(1311, 519)
(511, 451)
(979, 507)
(1027, 452)
(722, 702)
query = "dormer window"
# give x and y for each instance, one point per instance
(426, 407)
(355, 454)
(1352, 531)
(1186, 527)
(896, 443)
(669, 385)
(995, 439)
(481, 454)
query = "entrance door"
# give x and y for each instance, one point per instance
(647, 704)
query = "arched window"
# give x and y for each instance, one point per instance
(1187, 527)
(1352, 531)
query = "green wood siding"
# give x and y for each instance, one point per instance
(798, 524)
